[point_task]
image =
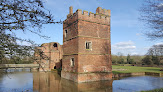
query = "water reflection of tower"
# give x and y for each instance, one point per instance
(52, 82)
(98, 86)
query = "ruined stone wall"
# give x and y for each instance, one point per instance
(51, 57)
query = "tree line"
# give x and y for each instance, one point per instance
(154, 56)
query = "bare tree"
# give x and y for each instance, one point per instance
(156, 52)
(21, 15)
(152, 16)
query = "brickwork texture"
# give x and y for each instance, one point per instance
(91, 64)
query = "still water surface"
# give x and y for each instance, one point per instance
(52, 82)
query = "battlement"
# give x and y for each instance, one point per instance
(102, 16)
(101, 11)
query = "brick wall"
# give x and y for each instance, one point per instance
(82, 28)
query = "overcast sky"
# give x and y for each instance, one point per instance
(126, 30)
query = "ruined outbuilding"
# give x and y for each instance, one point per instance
(49, 56)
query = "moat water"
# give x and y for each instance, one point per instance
(26, 81)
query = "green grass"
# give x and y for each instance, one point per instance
(155, 90)
(132, 69)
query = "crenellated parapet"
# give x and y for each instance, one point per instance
(102, 16)
(101, 11)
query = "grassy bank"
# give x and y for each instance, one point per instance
(155, 90)
(134, 69)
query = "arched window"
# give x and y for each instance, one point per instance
(55, 44)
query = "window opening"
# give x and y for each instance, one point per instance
(66, 33)
(47, 61)
(88, 45)
(55, 44)
(72, 62)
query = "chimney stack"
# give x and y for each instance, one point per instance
(71, 10)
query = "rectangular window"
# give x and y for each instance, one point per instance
(88, 45)
(72, 62)
(65, 33)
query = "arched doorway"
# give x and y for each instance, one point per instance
(55, 67)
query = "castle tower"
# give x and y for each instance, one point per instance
(87, 46)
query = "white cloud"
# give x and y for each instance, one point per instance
(138, 34)
(160, 5)
(160, 43)
(24, 43)
(124, 45)
(134, 53)
(128, 47)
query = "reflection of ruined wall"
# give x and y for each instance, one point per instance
(48, 56)
(46, 82)
(89, 64)
(51, 82)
